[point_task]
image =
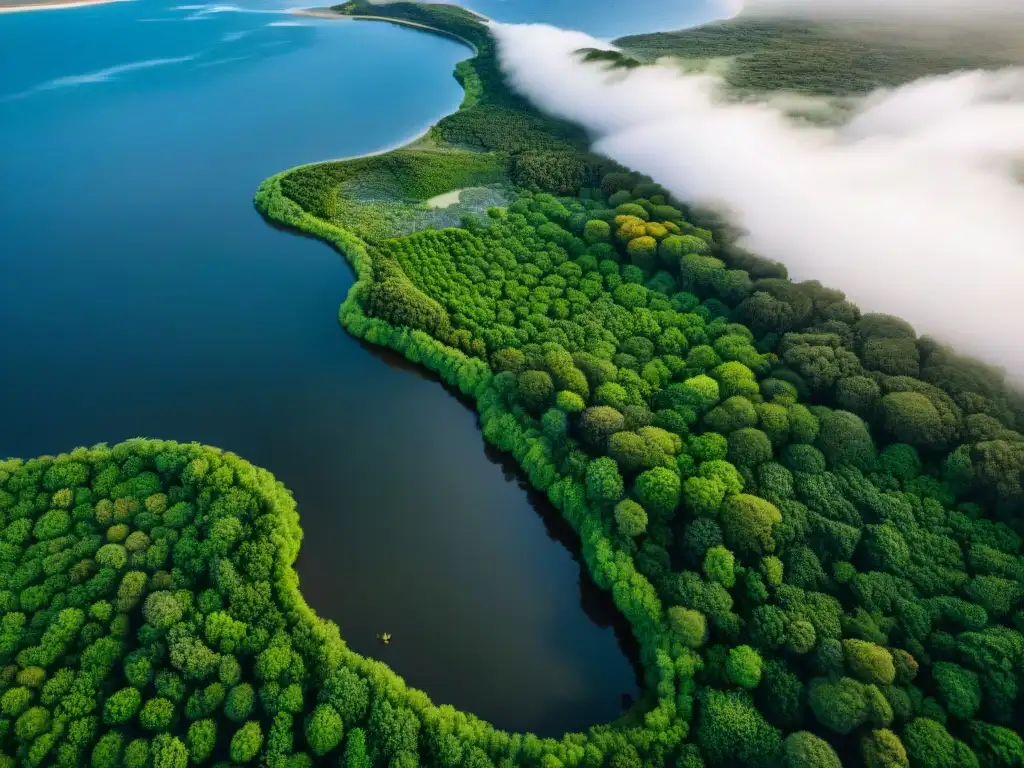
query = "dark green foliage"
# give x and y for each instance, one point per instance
(780, 493)
(959, 689)
(731, 731)
(822, 57)
(929, 744)
(805, 750)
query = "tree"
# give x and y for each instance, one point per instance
(599, 423)
(137, 754)
(689, 626)
(780, 696)
(107, 752)
(202, 738)
(604, 483)
(536, 390)
(162, 610)
(959, 689)
(747, 522)
(720, 566)
(744, 666)
(883, 749)
(801, 637)
(631, 518)
(240, 702)
(910, 417)
(841, 706)
(730, 730)
(121, 706)
(844, 439)
(32, 723)
(246, 742)
(896, 357)
(157, 714)
(929, 744)
(803, 749)
(659, 491)
(596, 231)
(169, 752)
(749, 447)
(734, 413)
(643, 252)
(869, 662)
(393, 731)
(323, 730)
(355, 750)
(995, 745)
(347, 693)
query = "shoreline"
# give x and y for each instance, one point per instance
(55, 5)
(327, 13)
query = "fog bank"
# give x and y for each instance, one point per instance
(925, 10)
(911, 208)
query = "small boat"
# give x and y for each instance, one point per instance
(384, 638)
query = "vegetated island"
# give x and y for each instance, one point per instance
(848, 57)
(51, 5)
(810, 516)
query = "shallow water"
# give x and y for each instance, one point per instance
(140, 294)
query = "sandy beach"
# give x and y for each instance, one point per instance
(54, 5)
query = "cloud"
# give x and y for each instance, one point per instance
(911, 207)
(924, 9)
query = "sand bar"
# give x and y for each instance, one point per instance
(54, 5)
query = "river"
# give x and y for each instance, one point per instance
(141, 295)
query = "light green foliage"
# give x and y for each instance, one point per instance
(355, 750)
(157, 714)
(689, 626)
(744, 666)
(137, 754)
(604, 483)
(323, 729)
(659, 491)
(162, 610)
(720, 566)
(883, 749)
(747, 521)
(246, 742)
(202, 738)
(631, 518)
(122, 706)
(868, 662)
(773, 571)
(845, 704)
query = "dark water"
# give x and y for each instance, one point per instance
(140, 294)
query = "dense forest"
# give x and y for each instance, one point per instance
(798, 506)
(809, 514)
(848, 58)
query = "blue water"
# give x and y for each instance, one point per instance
(603, 18)
(140, 294)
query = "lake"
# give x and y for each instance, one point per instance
(141, 295)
